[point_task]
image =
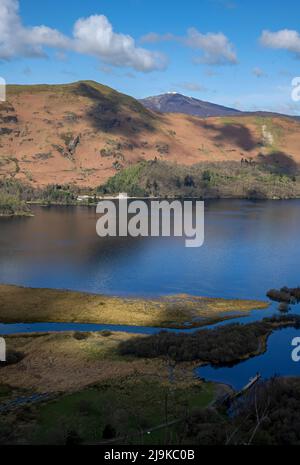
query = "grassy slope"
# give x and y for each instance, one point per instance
(38, 123)
(116, 132)
(89, 89)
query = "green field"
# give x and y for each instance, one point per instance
(122, 410)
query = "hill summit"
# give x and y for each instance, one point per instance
(172, 102)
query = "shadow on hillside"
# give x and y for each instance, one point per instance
(232, 133)
(279, 162)
(117, 113)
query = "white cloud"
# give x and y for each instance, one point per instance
(17, 40)
(285, 39)
(95, 36)
(92, 36)
(216, 47)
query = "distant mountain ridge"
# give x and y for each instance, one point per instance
(179, 103)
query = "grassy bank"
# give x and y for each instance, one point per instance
(19, 304)
(68, 362)
(12, 205)
(24, 193)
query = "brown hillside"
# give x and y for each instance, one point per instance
(85, 132)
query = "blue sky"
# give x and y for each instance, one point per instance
(214, 50)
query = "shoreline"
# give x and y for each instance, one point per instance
(166, 197)
(42, 204)
(103, 347)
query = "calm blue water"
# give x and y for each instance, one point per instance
(276, 361)
(249, 248)
(23, 328)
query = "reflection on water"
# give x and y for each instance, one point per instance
(249, 248)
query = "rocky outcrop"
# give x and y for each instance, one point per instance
(73, 145)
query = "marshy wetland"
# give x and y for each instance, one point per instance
(74, 351)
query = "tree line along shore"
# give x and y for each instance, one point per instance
(274, 179)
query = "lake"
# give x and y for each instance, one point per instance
(249, 248)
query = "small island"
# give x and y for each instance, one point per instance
(20, 304)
